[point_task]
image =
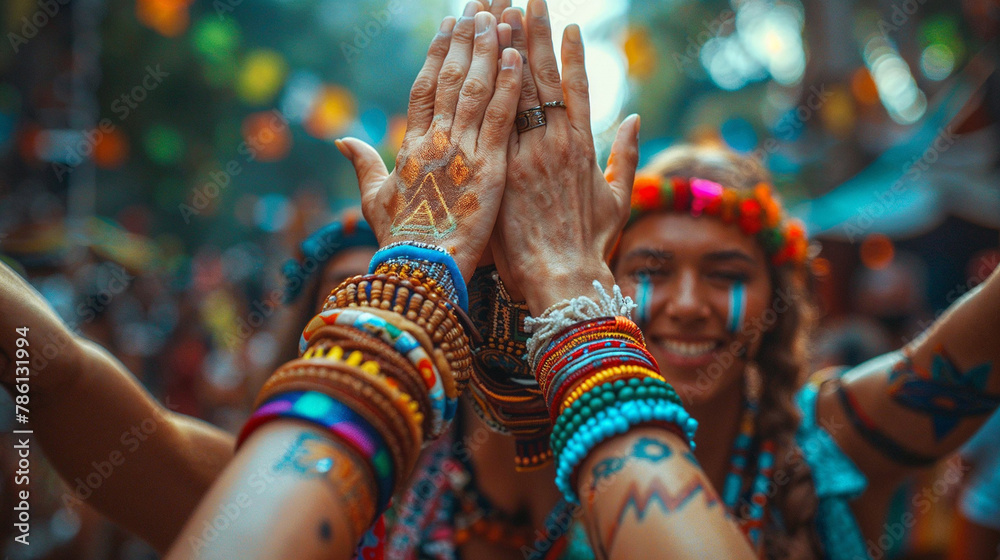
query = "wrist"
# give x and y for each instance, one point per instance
(553, 283)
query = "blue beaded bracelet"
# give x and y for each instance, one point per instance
(418, 254)
(614, 421)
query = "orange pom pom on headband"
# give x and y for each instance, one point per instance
(757, 213)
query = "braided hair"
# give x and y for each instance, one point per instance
(782, 360)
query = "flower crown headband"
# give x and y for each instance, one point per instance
(757, 213)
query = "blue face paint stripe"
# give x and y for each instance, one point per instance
(737, 306)
(644, 297)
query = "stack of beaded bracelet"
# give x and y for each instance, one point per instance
(599, 381)
(381, 368)
(587, 348)
(380, 399)
(503, 389)
(417, 321)
(434, 263)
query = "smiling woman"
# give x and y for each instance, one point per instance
(726, 315)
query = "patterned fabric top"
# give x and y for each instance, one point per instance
(837, 480)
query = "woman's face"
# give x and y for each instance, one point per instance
(345, 264)
(692, 266)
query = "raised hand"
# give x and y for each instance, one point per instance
(561, 214)
(449, 176)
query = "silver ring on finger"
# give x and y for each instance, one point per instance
(530, 118)
(554, 104)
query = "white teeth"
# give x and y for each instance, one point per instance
(687, 349)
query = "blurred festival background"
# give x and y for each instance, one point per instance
(161, 159)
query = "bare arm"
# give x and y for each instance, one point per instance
(290, 493)
(643, 493)
(117, 448)
(907, 409)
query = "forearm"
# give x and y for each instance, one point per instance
(374, 384)
(621, 439)
(969, 332)
(51, 343)
(107, 437)
(644, 494)
(290, 493)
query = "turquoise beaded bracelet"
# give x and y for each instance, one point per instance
(610, 422)
(603, 396)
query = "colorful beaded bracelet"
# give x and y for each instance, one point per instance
(586, 386)
(396, 368)
(588, 364)
(373, 391)
(407, 297)
(603, 396)
(568, 340)
(403, 342)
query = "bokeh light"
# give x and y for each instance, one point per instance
(897, 89)
(111, 149)
(937, 62)
(164, 144)
(267, 135)
(262, 75)
(877, 251)
(332, 113)
(169, 18)
(216, 38)
(271, 212)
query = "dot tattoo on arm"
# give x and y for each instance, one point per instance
(325, 531)
(314, 457)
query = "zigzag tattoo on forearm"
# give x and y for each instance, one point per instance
(641, 497)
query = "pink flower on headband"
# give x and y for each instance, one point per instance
(703, 194)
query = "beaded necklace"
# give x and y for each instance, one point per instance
(749, 513)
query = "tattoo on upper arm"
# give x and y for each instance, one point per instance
(945, 393)
(641, 497)
(868, 429)
(433, 194)
(314, 457)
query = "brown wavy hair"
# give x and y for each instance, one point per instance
(782, 361)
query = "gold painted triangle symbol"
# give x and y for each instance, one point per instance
(421, 215)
